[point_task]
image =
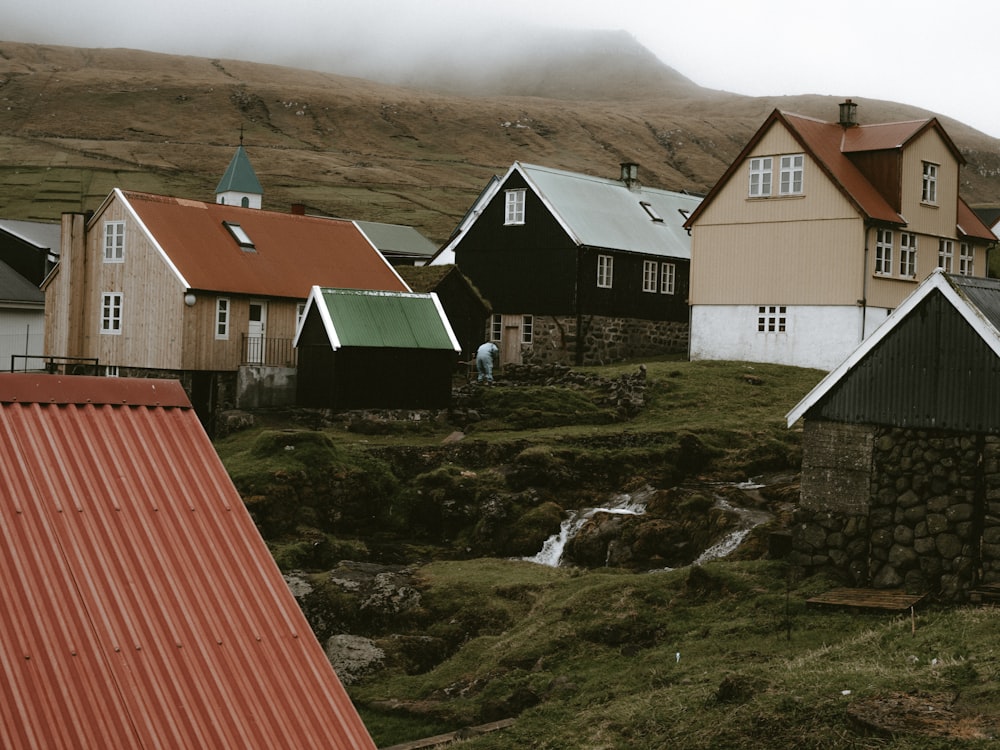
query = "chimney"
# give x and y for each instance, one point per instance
(299, 209)
(848, 114)
(630, 174)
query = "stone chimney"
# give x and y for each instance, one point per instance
(630, 175)
(848, 114)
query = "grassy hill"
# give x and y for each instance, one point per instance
(74, 123)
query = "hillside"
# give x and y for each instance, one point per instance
(74, 123)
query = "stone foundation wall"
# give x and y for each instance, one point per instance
(931, 520)
(604, 340)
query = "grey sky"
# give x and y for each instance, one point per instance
(929, 54)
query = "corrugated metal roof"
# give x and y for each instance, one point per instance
(382, 319)
(939, 373)
(141, 607)
(396, 239)
(42, 234)
(290, 252)
(602, 213)
(15, 288)
(823, 140)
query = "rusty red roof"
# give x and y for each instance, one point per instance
(823, 141)
(141, 606)
(970, 225)
(290, 252)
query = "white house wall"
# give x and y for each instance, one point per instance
(729, 332)
(22, 332)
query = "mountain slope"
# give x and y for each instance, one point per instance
(74, 123)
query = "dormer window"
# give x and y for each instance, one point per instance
(651, 211)
(240, 235)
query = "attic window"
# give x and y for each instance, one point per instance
(239, 234)
(651, 211)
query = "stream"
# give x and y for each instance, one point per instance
(635, 504)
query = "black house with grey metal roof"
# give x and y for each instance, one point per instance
(900, 482)
(578, 269)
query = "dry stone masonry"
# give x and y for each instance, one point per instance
(900, 508)
(603, 340)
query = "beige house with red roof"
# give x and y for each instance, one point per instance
(210, 293)
(818, 230)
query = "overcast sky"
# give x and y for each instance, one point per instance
(927, 53)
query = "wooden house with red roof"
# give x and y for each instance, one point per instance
(141, 607)
(818, 230)
(210, 293)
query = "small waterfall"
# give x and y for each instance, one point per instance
(749, 520)
(552, 549)
(627, 504)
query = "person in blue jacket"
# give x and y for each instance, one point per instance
(485, 356)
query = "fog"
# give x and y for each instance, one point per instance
(918, 52)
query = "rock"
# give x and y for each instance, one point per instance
(353, 657)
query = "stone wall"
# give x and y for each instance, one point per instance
(931, 520)
(604, 340)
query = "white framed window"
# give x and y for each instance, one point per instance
(605, 271)
(965, 255)
(649, 268)
(772, 319)
(946, 255)
(515, 207)
(760, 176)
(908, 255)
(928, 192)
(883, 252)
(668, 276)
(790, 174)
(222, 318)
(111, 313)
(114, 242)
(496, 327)
(300, 311)
(527, 329)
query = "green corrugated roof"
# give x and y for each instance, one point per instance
(396, 320)
(239, 176)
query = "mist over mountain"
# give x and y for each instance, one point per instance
(414, 148)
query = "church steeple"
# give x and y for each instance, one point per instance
(239, 186)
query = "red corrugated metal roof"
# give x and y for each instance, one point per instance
(290, 252)
(970, 225)
(141, 607)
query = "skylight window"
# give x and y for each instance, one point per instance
(239, 234)
(651, 211)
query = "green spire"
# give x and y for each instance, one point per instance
(239, 176)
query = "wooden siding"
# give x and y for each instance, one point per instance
(152, 299)
(531, 266)
(806, 249)
(789, 263)
(203, 351)
(938, 219)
